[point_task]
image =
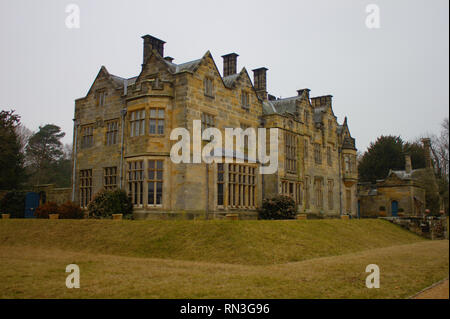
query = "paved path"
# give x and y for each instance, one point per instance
(440, 291)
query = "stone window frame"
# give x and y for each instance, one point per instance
(245, 100)
(100, 97)
(154, 178)
(241, 186)
(318, 192)
(330, 127)
(221, 184)
(208, 120)
(329, 156)
(86, 187)
(110, 178)
(137, 120)
(208, 86)
(290, 152)
(112, 132)
(295, 193)
(135, 181)
(87, 136)
(330, 186)
(156, 116)
(317, 153)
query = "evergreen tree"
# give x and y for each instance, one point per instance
(385, 154)
(12, 172)
(45, 152)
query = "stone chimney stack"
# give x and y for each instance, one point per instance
(321, 100)
(300, 92)
(229, 64)
(260, 82)
(152, 43)
(427, 146)
(408, 165)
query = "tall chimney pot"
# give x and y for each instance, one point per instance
(260, 82)
(152, 43)
(229, 64)
(408, 165)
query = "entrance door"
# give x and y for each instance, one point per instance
(31, 203)
(394, 208)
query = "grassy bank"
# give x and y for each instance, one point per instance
(28, 272)
(243, 242)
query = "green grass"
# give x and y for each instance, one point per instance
(242, 242)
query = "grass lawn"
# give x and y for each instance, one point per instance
(215, 259)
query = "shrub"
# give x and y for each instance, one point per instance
(278, 207)
(13, 203)
(106, 203)
(382, 209)
(70, 210)
(48, 208)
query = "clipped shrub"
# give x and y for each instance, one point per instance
(13, 203)
(106, 203)
(70, 210)
(48, 208)
(278, 207)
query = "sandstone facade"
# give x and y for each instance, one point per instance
(122, 133)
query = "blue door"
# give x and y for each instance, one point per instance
(31, 203)
(394, 208)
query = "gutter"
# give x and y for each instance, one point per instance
(123, 112)
(74, 154)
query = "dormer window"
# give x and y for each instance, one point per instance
(208, 83)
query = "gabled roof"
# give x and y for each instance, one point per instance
(115, 80)
(282, 106)
(401, 174)
(190, 66)
(230, 80)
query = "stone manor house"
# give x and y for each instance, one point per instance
(122, 129)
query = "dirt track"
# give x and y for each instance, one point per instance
(439, 291)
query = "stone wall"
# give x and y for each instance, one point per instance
(429, 227)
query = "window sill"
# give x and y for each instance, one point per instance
(210, 96)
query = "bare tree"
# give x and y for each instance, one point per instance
(440, 149)
(24, 135)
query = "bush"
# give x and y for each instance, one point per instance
(278, 207)
(13, 203)
(382, 209)
(70, 210)
(106, 203)
(48, 208)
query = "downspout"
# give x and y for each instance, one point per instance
(207, 190)
(123, 112)
(74, 154)
(340, 181)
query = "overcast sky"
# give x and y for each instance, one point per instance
(390, 80)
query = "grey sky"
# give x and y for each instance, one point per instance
(392, 80)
